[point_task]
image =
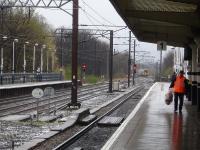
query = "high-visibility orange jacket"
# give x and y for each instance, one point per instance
(179, 85)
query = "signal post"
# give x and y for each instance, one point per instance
(83, 69)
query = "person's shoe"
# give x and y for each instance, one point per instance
(175, 111)
(180, 111)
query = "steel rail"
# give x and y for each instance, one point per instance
(61, 93)
(5, 101)
(71, 140)
(58, 99)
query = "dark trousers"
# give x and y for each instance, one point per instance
(180, 96)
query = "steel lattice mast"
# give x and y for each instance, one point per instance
(34, 3)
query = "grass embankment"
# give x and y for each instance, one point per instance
(90, 79)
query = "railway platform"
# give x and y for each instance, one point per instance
(11, 90)
(32, 84)
(153, 125)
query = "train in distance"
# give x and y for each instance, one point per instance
(143, 72)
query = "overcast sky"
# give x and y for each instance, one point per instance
(96, 12)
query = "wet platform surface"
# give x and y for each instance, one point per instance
(155, 126)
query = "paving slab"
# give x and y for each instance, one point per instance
(47, 135)
(68, 118)
(110, 121)
(82, 112)
(48, 118)
(30, 144)
(87, 119)
(16, 118)
(68, 122)
(63, 126)
(78, 148)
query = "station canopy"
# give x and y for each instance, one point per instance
(175, 21)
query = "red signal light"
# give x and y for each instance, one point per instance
(84, 67)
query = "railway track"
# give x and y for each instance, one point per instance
(28, 104)
(90, 100)
(4, 101)
(76, 137)
(86, 136)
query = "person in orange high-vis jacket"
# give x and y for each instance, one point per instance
(179, 84)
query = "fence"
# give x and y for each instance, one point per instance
(9, 78)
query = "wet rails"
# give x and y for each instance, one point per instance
(28, 105)
(93, 136)
(108, 97)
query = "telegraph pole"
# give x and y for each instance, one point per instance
(160, 64)
(134, 66)
(61, 54)
(47, 61)
(95, 57)
(1, 43)
(2, 20)
(129, 59)
(74, 55)
(111, 61)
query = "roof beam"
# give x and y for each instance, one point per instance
(170, 17)
(171, 30)
(153, 38)
(186, 1)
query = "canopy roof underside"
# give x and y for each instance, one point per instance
(175, 21)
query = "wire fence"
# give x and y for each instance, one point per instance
(15, 78)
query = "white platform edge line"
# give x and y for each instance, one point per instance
(116, 134)
(10, 86)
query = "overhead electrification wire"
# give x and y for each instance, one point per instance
(99, 15)
(104, 35)
(87, 14)
(97, 12)
(101, 24)
(91, 18)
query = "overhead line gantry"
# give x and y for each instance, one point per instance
(34, 3)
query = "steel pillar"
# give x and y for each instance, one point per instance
(111, 62)
(134, 63)
(129, 59)
(74, 55)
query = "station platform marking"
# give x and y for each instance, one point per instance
(121, 129)
(31, 84)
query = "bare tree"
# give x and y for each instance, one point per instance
(168, 64)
